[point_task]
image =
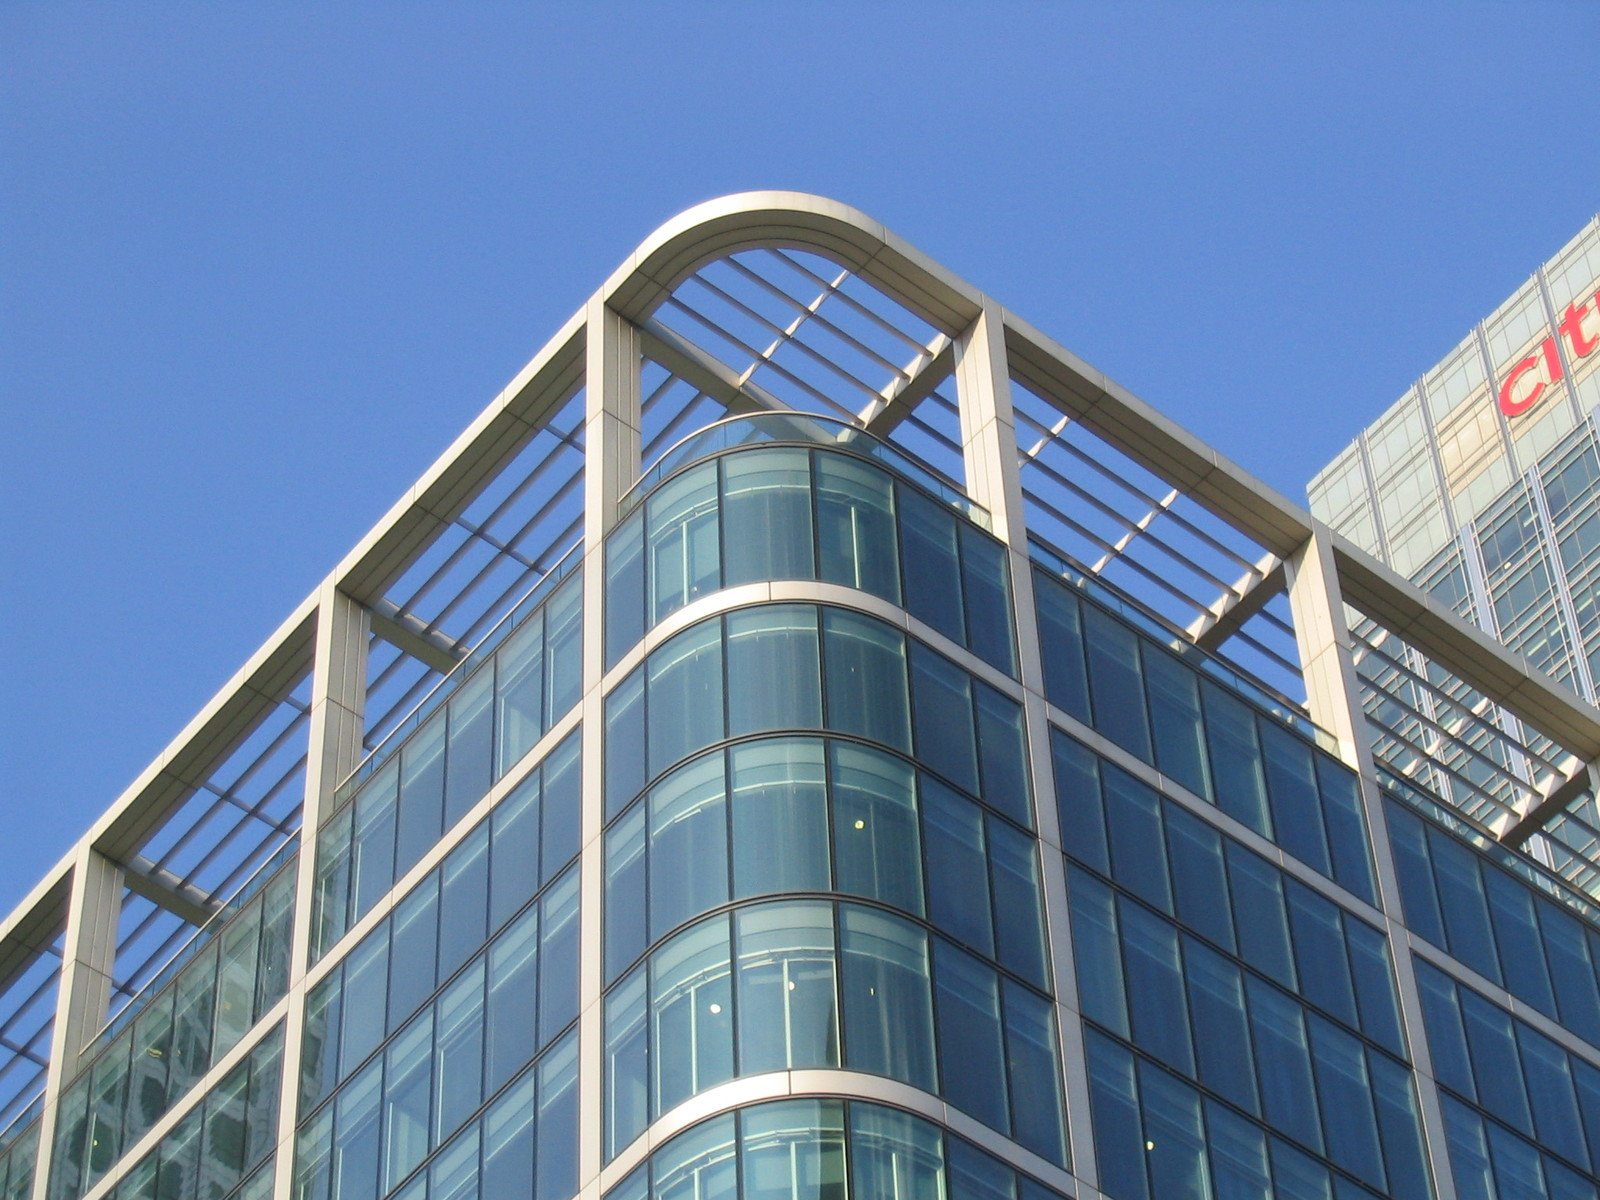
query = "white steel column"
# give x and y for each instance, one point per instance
(611, 447)
(994, 480)
(1333, 698)
(83, 990)
(338, 703)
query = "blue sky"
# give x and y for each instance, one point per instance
(260, 263)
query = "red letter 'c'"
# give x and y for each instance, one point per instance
(1513, 408)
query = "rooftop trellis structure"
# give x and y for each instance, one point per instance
(765, 303)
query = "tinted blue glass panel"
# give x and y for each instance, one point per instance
(1115, 682)
(928, 553)
(1078, 801)
(1138, 850)
(1066, 678)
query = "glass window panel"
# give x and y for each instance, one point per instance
(366, 984)
(1296, 804)
(1447, 1034)
(1347, 828)
(933, 572)
(1298, 1175)
(469, 763)
(701, 1164)
(511, 1016)
(407, 1090)
(373, 858)
(1239, 1165)
(972, 1052)
(688, 843)
(519, 692)
(1319, 953)
(1375, 995)
(626, 934)
(331, 903)
(1096, 943)
(420, 817)
(894, 1156)
(973, 1175)
(464, 901)
(1517, 935)
(513, 845)
(1492, 1046)
(1174, 1137)
(562, 816)
(107, 1107)
(564, 637)
(1155, 987)
(266, 1079)
(625, 769)
(558, 956)
(766, 516)
(1002, 754)
(1018, 919)
(876, 842)
(1119, 1139)
(147, 1082)
(1138, 852)
(1179, 732)
(1400, 1129)
(1034, 1067)
(1283, 1062)
(774, 678)
(194, 1008)
(682, 539)
(627, 1063)
(1516, 1164)
(1236, 774)
(1556, 1123)
(72, 1122)
(856, 526)
(1199, 878)
(1346, 1095)
(414, 959)
(313, 1160)
(684, 712)
(1461, 900)
(952, 835)
(788, 1002)
(222, 1145)
(1414, 867)
(453, 1175)
(1115, 682)
(691, 1003)
(779, 800)
(887, 1002)
(458, 1052)
(941, 701)
(987, 594)
(1066, 678)
(508, 1142)
(865, 677)
(1258, 909)
(793, 1150)
(624, 587)
(180, 1155)
(1221, 1031)
(272, 966)
(357, 1146)
(1571, 971)
(556, 1155)
(1078, 802)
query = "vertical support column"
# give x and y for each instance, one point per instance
(83, 990)
(611, 448)
(1333, 698)
(338, 703)
(994, 480)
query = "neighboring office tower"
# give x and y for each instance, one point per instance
(813, 737)
(1482, 484)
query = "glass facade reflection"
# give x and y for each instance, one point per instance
(784, 823)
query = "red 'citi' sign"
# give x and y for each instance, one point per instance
(1527, 379)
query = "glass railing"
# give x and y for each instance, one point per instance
(1106, 596)
(445, 687)
(803, 429)
(1453, 820)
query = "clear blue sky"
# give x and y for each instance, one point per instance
(260, 263)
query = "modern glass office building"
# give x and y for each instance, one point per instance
(813, 737)
(1482, 484)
